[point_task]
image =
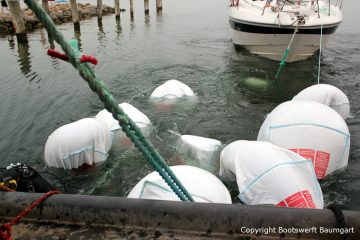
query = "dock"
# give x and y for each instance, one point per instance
(19, 21)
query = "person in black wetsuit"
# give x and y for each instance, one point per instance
(23, 178)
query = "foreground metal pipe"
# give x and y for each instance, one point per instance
(122, 217)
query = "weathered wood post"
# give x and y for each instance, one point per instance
(74, 12)
(146, 6)
(45, 5)
(158, 5)
(17, 19)
(117, 9)
(132, 9)
(99, 8)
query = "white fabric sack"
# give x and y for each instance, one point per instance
(205, 151)
(326, 94)
(82, 142)
(268, 174)
(201, 185)
(172, 89)
(312, 130)
(119, 137)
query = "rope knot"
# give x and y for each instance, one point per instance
(79, 58)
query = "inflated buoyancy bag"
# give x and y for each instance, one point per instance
(311, 129)
(119, 137)
(84, 142)
(173, 94)
(268, 174)
(172, 89)
(205, 151)
(328, 95)
(202, 186)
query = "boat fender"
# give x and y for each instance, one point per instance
(326, 94)
(268, 174)
(312, 130)
(23, 178)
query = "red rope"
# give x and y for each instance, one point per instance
(5, 229)
(90, 59)
(56, 54)
(62, 56)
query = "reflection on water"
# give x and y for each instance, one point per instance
(118, 28)
(11, 42)
(24, 58)
(132, 25)
(101, 33)
(147, 21)
(43, 39)
(51, 42)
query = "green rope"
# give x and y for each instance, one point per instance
(286, 53)
(282, 63)
(98, 86)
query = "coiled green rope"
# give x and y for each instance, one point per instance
(98, 86)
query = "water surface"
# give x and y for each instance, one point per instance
(190, 41)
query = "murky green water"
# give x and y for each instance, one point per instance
(190, 41)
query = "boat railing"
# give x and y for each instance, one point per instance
(335, 3)
(280, 4)
(339, 4)
(253, 5)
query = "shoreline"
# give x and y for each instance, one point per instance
(59, 13)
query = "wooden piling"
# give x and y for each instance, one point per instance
(146, 6)
(158, 5)
(17, 19)
(74, 12)
(99, 8)
(45, 5)
(132, 8)
(117, 8)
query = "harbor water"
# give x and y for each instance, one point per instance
(189, 41)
